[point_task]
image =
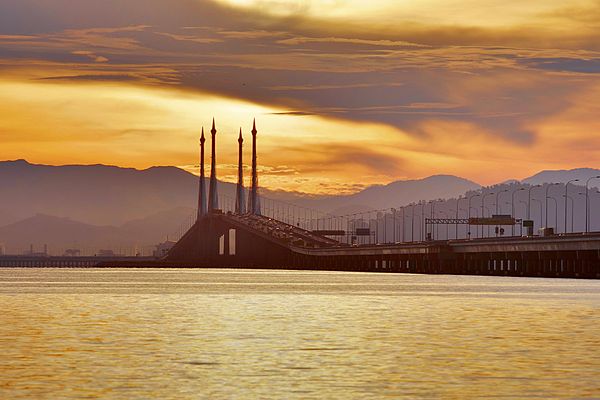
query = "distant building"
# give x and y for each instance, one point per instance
(32, 253)
(163, 248)
(72, 253)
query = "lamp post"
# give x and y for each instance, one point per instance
(498, 204)
(488, 227)
(394, 223)
(567, 195)
(432, 202)
(402, 208)
(548, 186)
(572, 209)
(471, 198)
(555, 210)
(376, 226)
(525, 204)
(529, 201)
(497, 199)
(512, 209)
(587, 203)
(465, 211)
(423, 226)
(456, 225)
(482, 208)
(598, 191)
(412, 223)
(483, 202)
(541, 212)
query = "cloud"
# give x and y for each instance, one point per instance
(92, 78)
(90, 55)
(564, 64)
(190, 38)
(356, 41)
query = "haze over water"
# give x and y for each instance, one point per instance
(172, 334)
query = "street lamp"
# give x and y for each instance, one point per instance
(465, 211)
(572, 209)
(482, 207)
(402, 208)
(539, 201)
(394, 223)
(488, 227)
(598, 191)
(525, 204)
(567, 195)
(497, 199)
(547, 189)
(512, 208)
(483, 201)
(555, 211)
(412, 222)
(529, 201)
(423, 226)
(432, 202)
(471, 198)
(587, 203)
(456, 225)
(498, 205)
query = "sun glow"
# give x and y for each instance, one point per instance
(140, 127)
(446, 12)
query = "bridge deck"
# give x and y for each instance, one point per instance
(263, 242)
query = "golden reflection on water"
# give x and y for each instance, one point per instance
(178, 334)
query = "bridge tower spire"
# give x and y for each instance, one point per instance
(240, 200)
(202, 181)
(254, 200)
(213, 199)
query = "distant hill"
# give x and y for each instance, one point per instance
(563, 176)
(57, 232)
(61, 233)
(94, 194)
(394, 194)
(108, 195)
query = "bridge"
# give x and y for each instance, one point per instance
(245, 238)
(34, 261)
(229, 240)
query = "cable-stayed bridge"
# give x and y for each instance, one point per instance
(270, 234)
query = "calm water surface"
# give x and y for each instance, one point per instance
(214, 334)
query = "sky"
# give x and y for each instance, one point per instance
(346, 93)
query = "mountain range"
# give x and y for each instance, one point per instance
(96, 206)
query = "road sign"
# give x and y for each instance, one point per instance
(329, 232)
(495, 220)
(363, 232)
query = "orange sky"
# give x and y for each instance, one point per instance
(345, 93)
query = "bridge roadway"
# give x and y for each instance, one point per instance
(261, 242)
(23, 261)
